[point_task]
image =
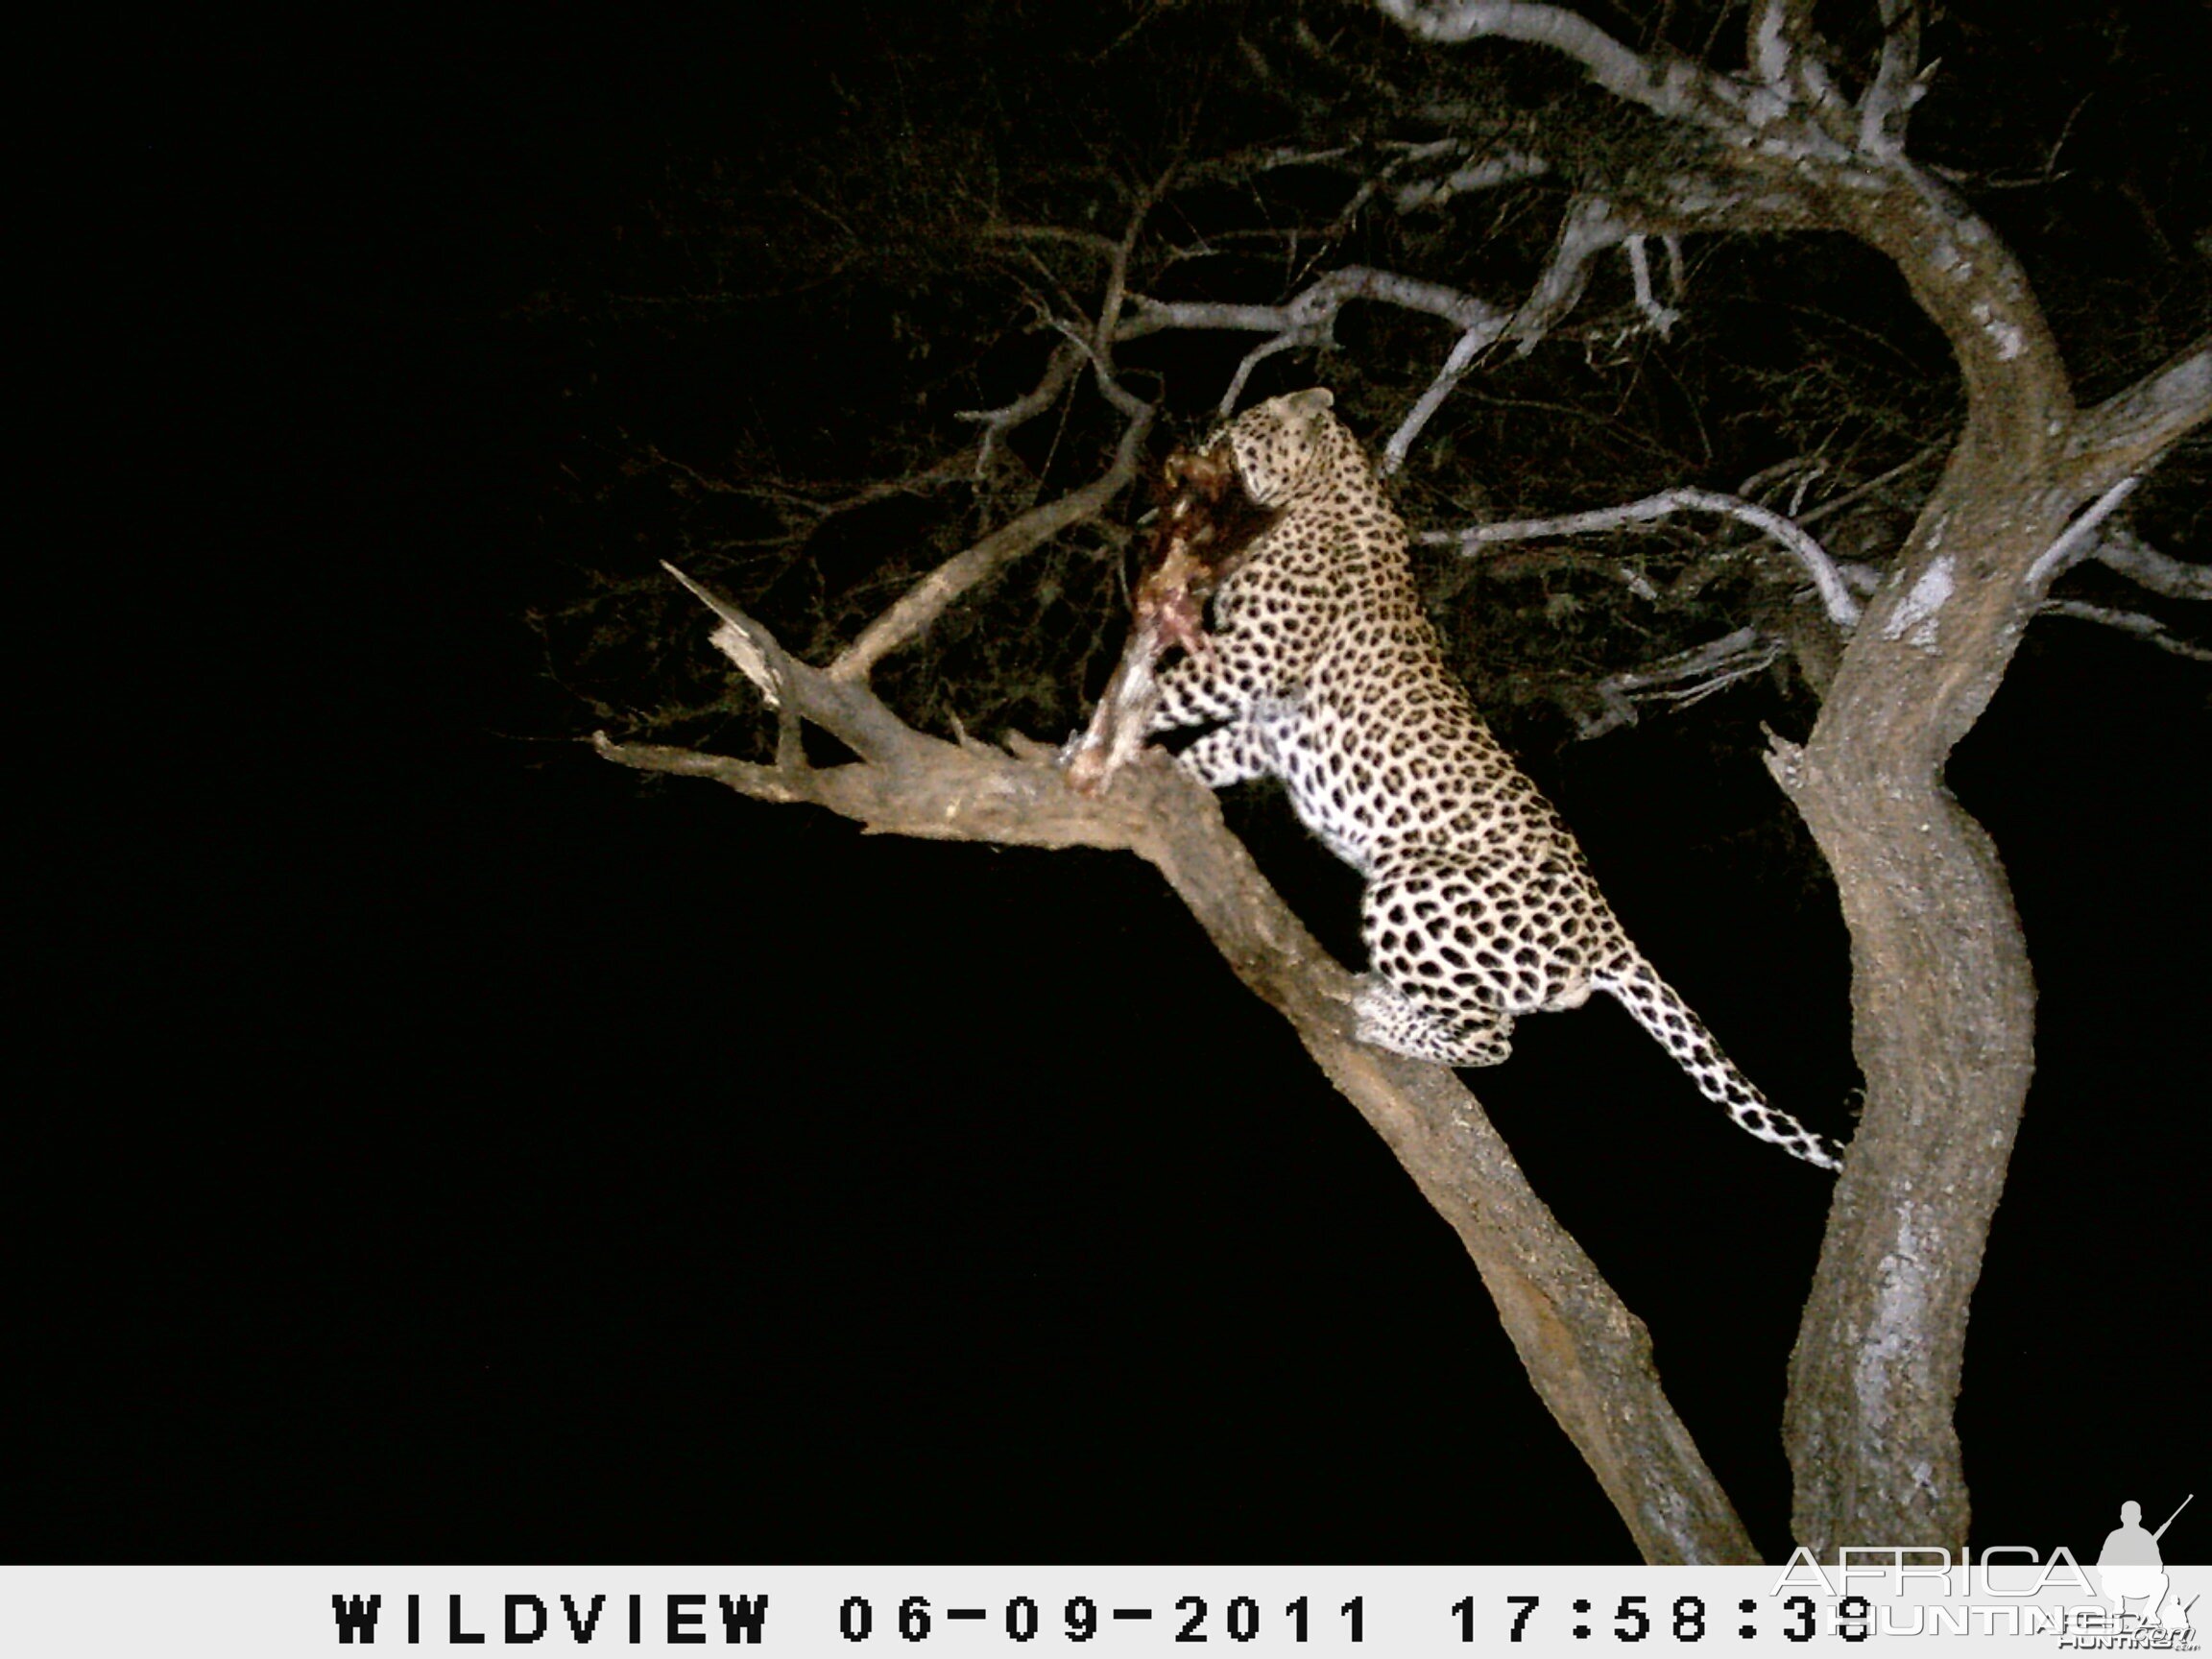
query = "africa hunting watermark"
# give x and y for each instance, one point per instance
(2012, 1590)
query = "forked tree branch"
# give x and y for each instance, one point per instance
(1617, 67)
(1753, 112)
(1896, 86)
(1588, 1357)
(1059, 371)
(1590, 227)
(1309, 317)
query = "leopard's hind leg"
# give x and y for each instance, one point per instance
(1439, 978)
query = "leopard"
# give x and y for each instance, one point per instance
(1321, 669)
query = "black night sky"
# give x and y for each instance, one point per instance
(435, 1144)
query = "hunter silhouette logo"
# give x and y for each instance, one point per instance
(2132, 1569)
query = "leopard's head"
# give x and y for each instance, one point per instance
(1287, 445)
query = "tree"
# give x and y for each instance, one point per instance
(1484, 187)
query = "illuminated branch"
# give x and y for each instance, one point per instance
(1896, 86)
(1510, 167)
(1835, 594)
(1588, 227)
(1310, 318)
(2079, 535)
(2129, 430)
(1748, 112)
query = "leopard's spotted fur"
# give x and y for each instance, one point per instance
(1324, 671)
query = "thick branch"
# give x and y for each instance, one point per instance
(2124, 433)
(1942, 996)
(1589, 1358)
(1614, 66)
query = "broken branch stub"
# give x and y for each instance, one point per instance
(736, 639)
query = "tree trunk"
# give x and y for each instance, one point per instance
(1944, 1021)
(1942, 998)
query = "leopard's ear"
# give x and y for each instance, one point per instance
(1308, 414)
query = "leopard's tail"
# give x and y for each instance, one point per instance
(1659, 1008)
